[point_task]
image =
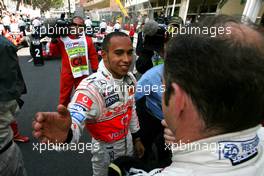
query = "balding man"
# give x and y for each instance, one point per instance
(213, 102)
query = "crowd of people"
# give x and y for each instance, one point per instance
(194, 89)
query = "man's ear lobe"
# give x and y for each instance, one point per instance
(104, 55)
(179, 95)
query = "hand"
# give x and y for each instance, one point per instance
(139, 148)
(168, 135)
(52, 126)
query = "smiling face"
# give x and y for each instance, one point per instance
(118, 57)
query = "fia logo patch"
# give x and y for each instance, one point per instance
(238, 151)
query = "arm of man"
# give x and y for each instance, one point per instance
(66, 125)
(92, 54)
(84, 107)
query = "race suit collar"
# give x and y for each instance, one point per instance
(106, 72)
(229, 149)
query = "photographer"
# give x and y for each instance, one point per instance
(79, 58)
(150, 46)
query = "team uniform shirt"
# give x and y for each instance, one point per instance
(232, 154)
(106, 107)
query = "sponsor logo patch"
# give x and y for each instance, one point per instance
(84, 101)
(78, 107)
(238, 151)
(111, 100)
(78, 116)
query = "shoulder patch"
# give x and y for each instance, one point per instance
(84, 100)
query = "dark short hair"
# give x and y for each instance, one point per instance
(223, 76)
(106, 41)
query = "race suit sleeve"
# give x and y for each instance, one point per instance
(84, 106)
(92, 54)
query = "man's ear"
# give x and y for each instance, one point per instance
(179, 97)
(104, 55)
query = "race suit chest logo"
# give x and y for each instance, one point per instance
(84, 101)
(111, 100)
(124, 121)
(111, 130)
(239, 151)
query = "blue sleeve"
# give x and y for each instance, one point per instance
(142, 87)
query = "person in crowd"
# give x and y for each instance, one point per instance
(12, 86)
(22, 26)
(6, 21)
(103, 26)
(62, 17)
(79, 58)
(131, 32)
(213, 101)
(148, 102)
(36, 23)
(88, 22)
(1, 27)
(151, 46)
(117, 26)
(143, 62)
(104, 104)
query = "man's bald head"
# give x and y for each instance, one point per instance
(241, 30)
(223, 75)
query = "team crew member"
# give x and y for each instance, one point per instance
(79, 59)
(213, 102)
(104, 104)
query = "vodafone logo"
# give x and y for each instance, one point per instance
(84, 100)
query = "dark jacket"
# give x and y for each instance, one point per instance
(12, 84)
(144, 61)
